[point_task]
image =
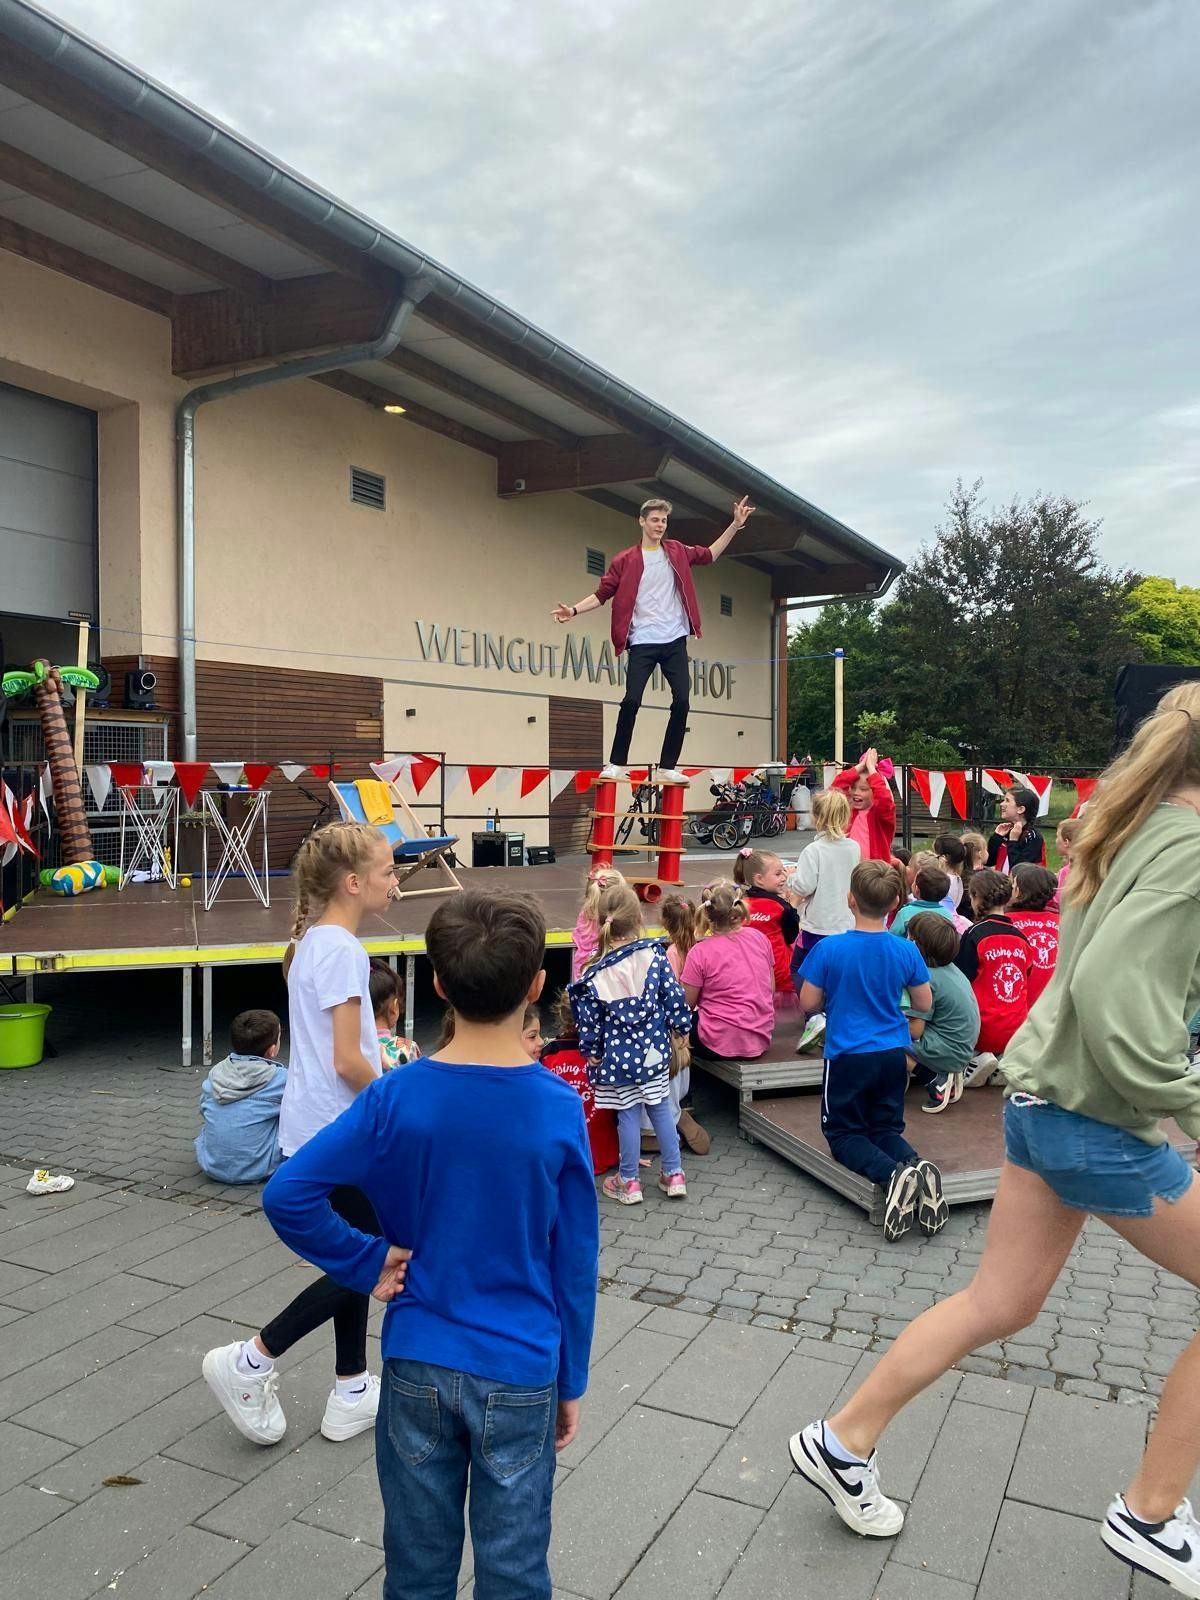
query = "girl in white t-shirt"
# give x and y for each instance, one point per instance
(342, 874)
(820, 888)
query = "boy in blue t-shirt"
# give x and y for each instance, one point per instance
(856, 978)
(478, 1160)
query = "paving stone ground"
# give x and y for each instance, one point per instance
(723, 1323)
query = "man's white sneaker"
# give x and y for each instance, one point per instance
(611, 773)
(851, 1486)
(671, 775)
(251, 1403)
(345, 1418)
(1168, 1551)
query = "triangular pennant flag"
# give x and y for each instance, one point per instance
(828, 774)
(636, 776)
(956, 784)
(996, 779)
(190, 776)
(45, 790)
(454, 776)
(100, 780)
(422, 769)
(584, 780)
(937, 789)
(1041, 786)
(693, 772)
(900, 780)
(388, 771)
(17, 821)
(160, 771)
(126, 774)
(560, 777)
(920, 778)
(740, 774)
(532, 778)
(257, 773)
(8, 832)
(291, 770)
(1084, 788)
(720, 775)
(504, 781)
(228, 772)
(162, 791)
(478, 776)
(319, 769)
(25, 826)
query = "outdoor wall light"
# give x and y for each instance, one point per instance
(411, 711)
(395, 411)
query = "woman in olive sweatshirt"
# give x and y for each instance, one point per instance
(1101, 1062)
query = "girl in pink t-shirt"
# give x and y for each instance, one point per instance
(586, 938)
(729, 980)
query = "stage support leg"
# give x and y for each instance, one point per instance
(187, 1016)
(29, 990)
(206, 991)
(670, 832)
(410, 992)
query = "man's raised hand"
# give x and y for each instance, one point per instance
(392, 1274)
(562, 613)
(742, 512)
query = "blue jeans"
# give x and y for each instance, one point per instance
(1091, 1165)
(436, 1425)
(629, 1136)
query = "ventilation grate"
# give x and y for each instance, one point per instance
(726, 605)
(596, 563)
(367, 488)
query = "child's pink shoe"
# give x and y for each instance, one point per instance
(673, 1185)
(626, 1194)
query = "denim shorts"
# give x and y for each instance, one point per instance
(1091, 1165)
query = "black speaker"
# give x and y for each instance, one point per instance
(139, 690)
(1138, 691)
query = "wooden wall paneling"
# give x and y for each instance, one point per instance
(576, 740)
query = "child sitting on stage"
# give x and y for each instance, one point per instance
(1033, 910)
(931, 892)
(976, 847)
(729, 980)
(996, 957)
(627, 1005)
(763, 877)
(239, 1104)
(943, 1037)
(563, 1057)
(857, 980)
(586, 938)
(954, 861)
(388, 1009)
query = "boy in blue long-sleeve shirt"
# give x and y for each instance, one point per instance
(477, 1160)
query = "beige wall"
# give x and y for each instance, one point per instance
(290, 573)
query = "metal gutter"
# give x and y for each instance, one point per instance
(137, 94)
(185, 461)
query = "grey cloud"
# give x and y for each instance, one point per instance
(871, 246)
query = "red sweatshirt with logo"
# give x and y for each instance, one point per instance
(771, 914)
(998, 959)
(565, 1060)
(1041, 929)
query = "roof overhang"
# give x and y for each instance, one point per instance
(108, 177)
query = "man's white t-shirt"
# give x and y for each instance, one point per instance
(329, 966)
(659, 615)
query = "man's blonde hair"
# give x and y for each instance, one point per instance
(655, 505)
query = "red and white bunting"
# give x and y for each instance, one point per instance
(388, 771)
(257, 773)
(956, 787)
(292, 769)
(8, 832)
(1084, 788)
(46, 791)
(585, 779)
(720, 775)
(100, 782)
(16, 820)
(1041, 786)
(931, 786)
(423, 768)
(995, 779)
(228, 772)
(454, 776)
(560, 777)
(532, 778)
(160, 772)
(190, 776)
(478, 776)
(127, 774)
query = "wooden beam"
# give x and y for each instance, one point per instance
(373, 394)
(220, 329)
(34, 177)
(452, 383)
(83, 107)
(535, 467)
(685, 506)
(22, 241)
(610, 501)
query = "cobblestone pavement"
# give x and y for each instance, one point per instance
(723, 1323)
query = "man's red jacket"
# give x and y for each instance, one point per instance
(620, 584)
(881, 818)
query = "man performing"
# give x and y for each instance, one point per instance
(654, 610)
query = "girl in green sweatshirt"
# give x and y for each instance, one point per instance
(1101, 1063)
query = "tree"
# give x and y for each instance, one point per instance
(1009, 628)
(851, 626)
(1164, 617)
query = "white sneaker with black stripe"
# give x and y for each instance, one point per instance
(900, 1206)
(932, 1211)
(980, 1069)
(1168, 1551)
(852, 1487)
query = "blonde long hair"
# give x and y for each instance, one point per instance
(1164, 754)
(321, 863)
(618, 918)
(831, 813)
(599, 879)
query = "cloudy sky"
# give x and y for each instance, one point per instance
(870, 245)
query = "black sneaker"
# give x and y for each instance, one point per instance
(1168, 1551)
(940, 1094)
(900, 1206)
(932, 1211)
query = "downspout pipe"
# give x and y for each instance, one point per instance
(415, 290)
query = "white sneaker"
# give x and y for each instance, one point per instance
(980, 1069)
(851, 1486)
(345, 1418)
(813, 1029)
(1168, 1551)
(611, 773)
(46, 1182)
(250, 1402)
(671, 775)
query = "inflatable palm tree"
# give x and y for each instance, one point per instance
(79, 871)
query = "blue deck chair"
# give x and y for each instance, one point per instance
(412, 848)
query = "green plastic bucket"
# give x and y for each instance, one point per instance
(22, 1035)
